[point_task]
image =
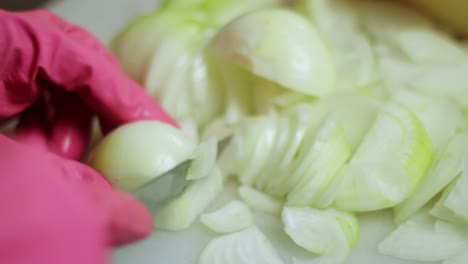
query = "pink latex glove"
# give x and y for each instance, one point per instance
(53, 209)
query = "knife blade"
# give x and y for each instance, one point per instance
(157, 192)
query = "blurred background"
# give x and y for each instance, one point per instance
(89, 13)
(23, 4)
(449, 12)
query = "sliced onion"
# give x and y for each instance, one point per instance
(248, 153)
(331, 233)
(389, 164)
(416, 239)
(260, 201)
(287, 50)
(445, 81)
(328, 154)
(243, 247)
(440, 116)
(204, 159)
(352, 51)
(444, 170)
(440, 211)
(457, 199)
(281, 143)
(304, 124)
(135, 153)
(182, 211)
(232, 217)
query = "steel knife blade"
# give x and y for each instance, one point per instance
(157, 192)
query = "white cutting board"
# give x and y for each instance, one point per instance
(105, 18)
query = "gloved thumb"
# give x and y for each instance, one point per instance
(125, 217)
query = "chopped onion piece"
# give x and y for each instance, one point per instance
(328, 154)
(338, 21)
(260, 201)
(449, 81)
(388, 165)
(280, 46)
(232, 217)
(440, 116)
(353, 112)
(457, 199)
(416, 239)
(304, 124)
(329, 232)
(137, 152)
(282, 141)
(444, 170)
(444, 227)
(181, 212)
(204, 159)
(248, 153)
(164, 52)
(440, 211)
(429, 46)
(244, 247)
(190, 127)
(236, 83)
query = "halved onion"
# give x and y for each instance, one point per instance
(137, 152)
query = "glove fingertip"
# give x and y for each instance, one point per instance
(130, 220)
(126, 218)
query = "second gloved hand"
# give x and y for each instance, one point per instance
(58, 211)
(55, 77)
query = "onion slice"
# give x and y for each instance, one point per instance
(243, 247)
(232, 217)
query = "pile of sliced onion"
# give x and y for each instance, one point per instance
(335, 107)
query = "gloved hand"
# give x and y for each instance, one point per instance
(53, 209)
(57, 211)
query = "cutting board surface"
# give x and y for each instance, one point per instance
(185, 247)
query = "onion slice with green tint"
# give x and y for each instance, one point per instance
(388, 165)
(331, 233)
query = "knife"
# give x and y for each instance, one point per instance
(157, 192)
